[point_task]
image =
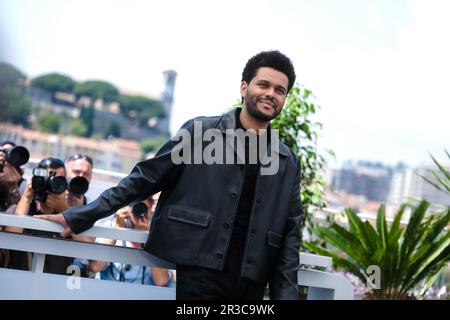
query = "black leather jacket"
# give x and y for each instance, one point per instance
(193, 220)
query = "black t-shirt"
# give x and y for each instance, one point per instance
(238, 240)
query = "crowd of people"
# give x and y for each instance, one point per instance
(54, 187)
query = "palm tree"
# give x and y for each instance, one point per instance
(442, 182)
(407, 257)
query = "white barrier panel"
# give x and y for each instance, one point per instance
(18, 284)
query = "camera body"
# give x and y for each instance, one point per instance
(42, 183)
(16, 156)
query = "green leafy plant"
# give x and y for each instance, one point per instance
(300, 132)
(442, 177)
(409, 257)
(442, 183)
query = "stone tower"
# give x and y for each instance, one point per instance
(167, 98)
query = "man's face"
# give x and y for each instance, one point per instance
(266, 93)
(79, 168)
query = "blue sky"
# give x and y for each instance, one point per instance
(379, 69)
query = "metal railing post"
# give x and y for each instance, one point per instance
(37, 264)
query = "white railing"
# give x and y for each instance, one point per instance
(34, 284)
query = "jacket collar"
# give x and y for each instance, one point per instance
(228, 121)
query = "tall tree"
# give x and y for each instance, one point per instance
(10, 76)
(54, 82)
(14, 105)
(141, 108)
(113, 129)
(96, 89)
(87, 116)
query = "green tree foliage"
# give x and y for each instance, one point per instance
(409, 258)
(77, 128)
(87, 116)
(300, 133)
(96, 89)
(142, 108)
(10, 76)
(152, 144)
(14, 105)
(48, 122)
(54, 82)
(113, 129)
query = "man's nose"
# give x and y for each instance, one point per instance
(270, 93)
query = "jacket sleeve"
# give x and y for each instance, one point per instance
(284, 281)
(147, 178)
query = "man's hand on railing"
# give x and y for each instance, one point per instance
(58, 218)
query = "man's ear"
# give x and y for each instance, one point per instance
(244, 88)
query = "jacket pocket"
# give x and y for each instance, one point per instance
(274, 239)
(190, 216)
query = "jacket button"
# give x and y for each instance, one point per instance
(234, 194)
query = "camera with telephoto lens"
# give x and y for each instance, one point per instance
(139, 209)
(78, 186)
(16, 156)
(42, 183)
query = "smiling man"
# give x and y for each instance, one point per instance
(263, 94)
(229, 228)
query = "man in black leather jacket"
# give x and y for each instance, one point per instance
(228, 219)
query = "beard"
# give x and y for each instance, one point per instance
(255, 112)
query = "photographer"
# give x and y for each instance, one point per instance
(46, 193)
(44, 201)
(138, 217)
(79, 174)
(79, 166)
(11, 181)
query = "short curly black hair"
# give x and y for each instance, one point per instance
(272, 59)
